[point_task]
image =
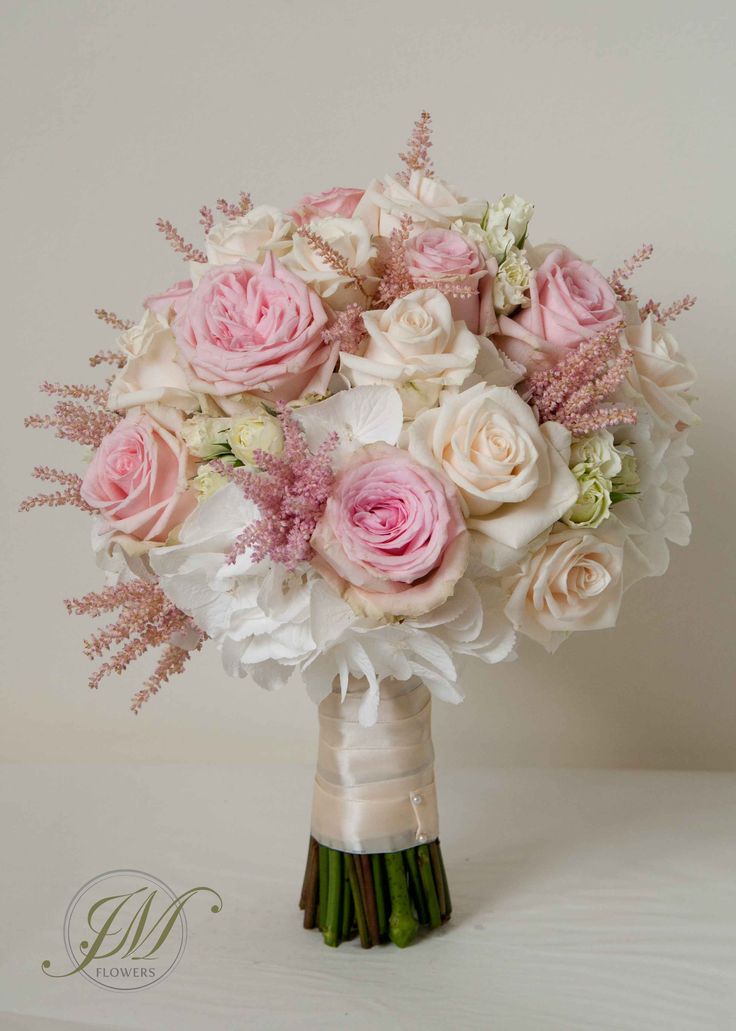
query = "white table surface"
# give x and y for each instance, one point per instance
(583, 900)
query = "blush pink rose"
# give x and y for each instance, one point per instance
(138, 479)
(570, 301)
(340, 202)
(392, 538)
(257, 329)
(441, 255)
(170, 302)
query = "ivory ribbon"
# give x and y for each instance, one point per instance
(374, 788)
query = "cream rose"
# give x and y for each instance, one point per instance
(594, 500)
(430, 202)
(572, 582)
(511, 473)
(206, 437)
(152, 373)
(416, 347)
(660, 374)
(253, 431)
(350, 238)
(262, 230)
(596, 451)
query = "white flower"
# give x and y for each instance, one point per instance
(594, 500)
(596, 451)
(660, 373)
(493, 242)
(429, 202)
(250, 237)
(350, 238)
(207, 482)
(416, 347)
(206, 437)
(627, 481)
(361, 416)
(511, 473)
(152, 373)
(511, 283)
(572, 582)
(513, 213)
(255, 430)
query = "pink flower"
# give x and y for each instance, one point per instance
(437, 255)
(170, 302)
(392, 538)
(255, 328)
(138, 479)
(340, 201)
(570, 301)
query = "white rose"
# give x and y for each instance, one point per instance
(206, 437)
(512, 478)
(429, 202)
(596, 451)
(660, 374)
(255, 431)
(493, 242)
(594, 500)
(152, 373)
(511, 283)
(572, 582)
(416, 347)
(250, 237)
(350, 238)
(207, 482)
(513, 213)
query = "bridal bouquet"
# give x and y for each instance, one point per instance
(364, 441)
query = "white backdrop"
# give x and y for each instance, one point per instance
(611, 118)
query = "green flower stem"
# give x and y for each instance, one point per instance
(377, 866)
(402, 924)
(334, 894)
(435, 857)
(311, 885)
(430, 891)
(324, 878)
(357, 901)
(369, 897)
(346, 913)
(415, 885)
(445, 884)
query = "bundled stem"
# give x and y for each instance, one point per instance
(382, 897)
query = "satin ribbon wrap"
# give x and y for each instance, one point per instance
(374, 788)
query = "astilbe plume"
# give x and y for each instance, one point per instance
(187, 250)
(626, 271)
(112, 319)
(416, 156)
(347, 331)
(572, 391)
(329, 254)
(396, 280)
(290, 489)
(237, 210)
(145, 619)
(206, 218)
(69, 494)
(669, 313)
(80, 414)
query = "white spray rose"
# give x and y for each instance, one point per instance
(594, 500)
(513, 213)
(493, 241)
(207, 482)
(627, 480)
(596, 451)
(255, 431)
(512, 282)
(206, 437)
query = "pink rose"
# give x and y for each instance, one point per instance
(392, 538)
(138, 479)
(570, 301)
(340, 201)
(442, 255)
(170, 302)
(255, 328)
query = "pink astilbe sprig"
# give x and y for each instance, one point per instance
(448, 287)
(290, 489)
(145, 619)
(416, 156)
(396, 280)
(347, 331)
(112, 319)
(206, 218)
(626, 271)
(69, 494)
(242, 207)
(669, 313)
(187, 250)
(80, 415)
(116, 358)
(334, 259)
(572, 392)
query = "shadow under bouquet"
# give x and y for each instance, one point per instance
(365, 441)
